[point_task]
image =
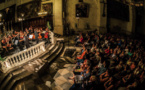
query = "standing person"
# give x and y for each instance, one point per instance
(20, 41)
(46, 35)
(36, 36)
(26, 40)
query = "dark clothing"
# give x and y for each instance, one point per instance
(36, 37)
(26, 41)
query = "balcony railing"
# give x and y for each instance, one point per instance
(22, 57)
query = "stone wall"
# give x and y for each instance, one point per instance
(12, 2)
(125, 26)
(93, 20)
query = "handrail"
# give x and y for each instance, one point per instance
(22, 57)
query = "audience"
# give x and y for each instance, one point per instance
(109, 62)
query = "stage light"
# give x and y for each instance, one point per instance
(20, 19)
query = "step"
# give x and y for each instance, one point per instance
(40, 61)
(14, 74)
(16, 79)
(57, 53)
(4, 76)
(50, 58)
(49, 53)
(53, 52)
(48, 50)
(49, 45)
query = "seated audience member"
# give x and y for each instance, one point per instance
(104, 76)
(109, 84)
(129, 62)
(133, 85)
(132, 66)
(86, 74)
(113, 56)
(102, 69)
(130, 53)
(126, 79)
(126, 50)
(80, 40)
(119, 67)
(81, 57)
(107, 51)
(92, 84)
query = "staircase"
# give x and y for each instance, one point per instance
(12, 78)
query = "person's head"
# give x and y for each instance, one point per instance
(120, 63)
(25, 33)
(104, 63)
(138, 67)
(126, 47)
(93, 78)
(97, 53)
(111, 78)
(133, 63)
(108, 71)
(117, 47)
(117, 58)
(141, 60)
(108, 47)
(126, 67)
(93, 45)
(111, 50)
(114, 52)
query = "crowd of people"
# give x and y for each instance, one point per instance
(108, 62)
(21, 39)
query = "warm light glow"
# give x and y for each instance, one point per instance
(141, 4)
(22, 14)
(0, 15)
(137, 5)
(1, 23)
(131, 3)
(21, 19)
(42, 13)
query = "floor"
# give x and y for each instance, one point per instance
(56, 77)
(61, 77)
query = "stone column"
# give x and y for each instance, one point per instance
(103, 19)
(144, 19)
(57, 17)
